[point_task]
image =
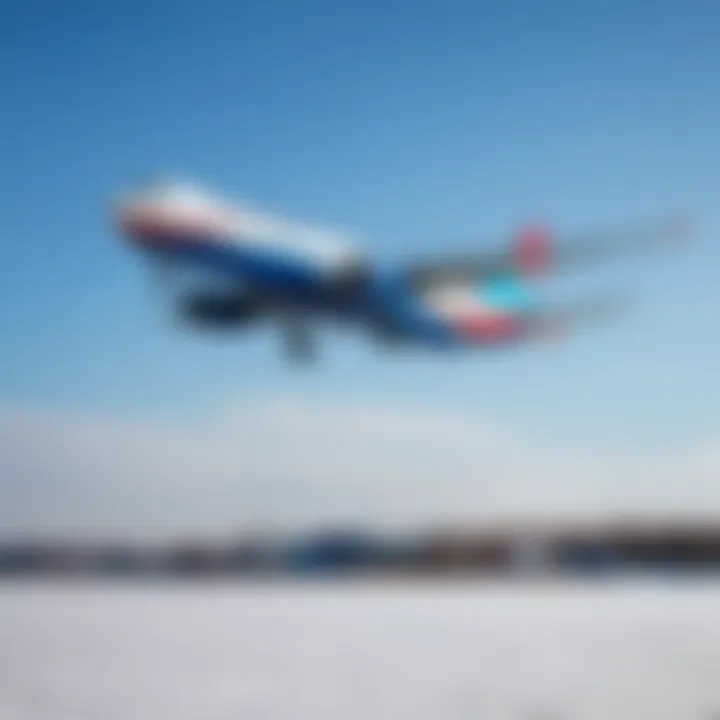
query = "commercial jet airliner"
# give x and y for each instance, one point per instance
(250, 267)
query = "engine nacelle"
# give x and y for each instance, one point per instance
(217, 311)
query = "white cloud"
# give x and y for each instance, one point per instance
(287, 459)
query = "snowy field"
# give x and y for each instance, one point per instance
(315, 652)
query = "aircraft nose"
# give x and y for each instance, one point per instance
(131, 222)
(151, 220)
(155, 211)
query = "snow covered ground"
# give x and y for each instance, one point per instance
(630, 651)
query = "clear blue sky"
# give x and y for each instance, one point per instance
(419, 125)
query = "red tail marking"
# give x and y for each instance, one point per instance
(532, 252)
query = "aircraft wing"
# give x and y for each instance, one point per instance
(536, 251)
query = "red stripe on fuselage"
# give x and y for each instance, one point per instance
(155, 231)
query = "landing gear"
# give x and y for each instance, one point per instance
(298, 338)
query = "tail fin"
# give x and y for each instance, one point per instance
(532, 250)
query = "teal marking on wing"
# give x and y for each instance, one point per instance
(507, 294)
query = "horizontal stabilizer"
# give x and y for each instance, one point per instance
(558, 322)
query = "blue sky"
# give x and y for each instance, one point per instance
(421, 127)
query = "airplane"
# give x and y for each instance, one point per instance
(248, 267)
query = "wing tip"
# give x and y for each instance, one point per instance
(681, 228)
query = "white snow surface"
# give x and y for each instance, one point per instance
(473, 650)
